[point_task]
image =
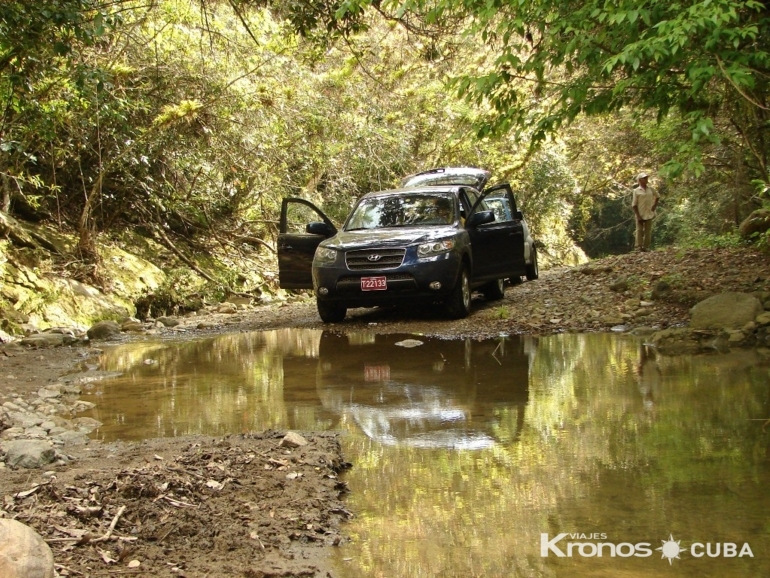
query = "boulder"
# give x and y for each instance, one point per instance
(293, 440)
(103, 330)
(725, 311)
(757, 222)
(28, 454)
(23, 552)
(168, 321)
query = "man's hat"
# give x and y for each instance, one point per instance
(641, 176)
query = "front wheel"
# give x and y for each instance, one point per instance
(459, 302)
(331, 312)
(532, 271)
(495, 290)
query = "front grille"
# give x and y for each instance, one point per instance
(374, 259)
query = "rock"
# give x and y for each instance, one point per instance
(72, 438)
(12, 433)
(48, 340)
(207, 325)
(755, 224)
(13, 315)
(81, 405)
(168, 321)
(763, 319)
(619, 285)
(23, 419)
(735, 337)
(661, 290)
(49, 392)
(725, 311)
(228, 308)
(612, 320)
(23, 552)
(103, 330)
(61, 331)
(132, 326)
(293, 440)
(642, 331)
(35, 432)
(86, 424)
(676, 341)
(28, 453)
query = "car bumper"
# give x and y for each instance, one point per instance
(429, 279)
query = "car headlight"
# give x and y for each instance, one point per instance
(435, 247)
(324, 256)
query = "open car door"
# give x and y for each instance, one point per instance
(498, 247)
(301, 229)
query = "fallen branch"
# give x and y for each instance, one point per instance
(112, 526)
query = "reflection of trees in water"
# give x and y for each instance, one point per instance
(591, 457)
(226, 384)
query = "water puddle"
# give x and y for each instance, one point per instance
(473, 458)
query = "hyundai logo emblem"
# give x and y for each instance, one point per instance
(374, 257)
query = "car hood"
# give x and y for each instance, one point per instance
(396, 237)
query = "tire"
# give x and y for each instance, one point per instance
(515, 280)
(331, 312)
(495, 290)
(532, 271)
(459, 302)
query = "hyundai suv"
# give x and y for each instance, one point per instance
(432, 243)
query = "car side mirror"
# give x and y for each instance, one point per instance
(319, 228)
(480, 218)
(518, 216)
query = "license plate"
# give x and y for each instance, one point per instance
(376, 373)
(374, 283)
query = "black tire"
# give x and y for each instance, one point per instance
(495, 290)
(331, 312)
(532, 271)
(458, 304)
(515, 280)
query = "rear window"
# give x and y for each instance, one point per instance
(451, 176)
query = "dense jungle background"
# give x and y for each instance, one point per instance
(173, 128)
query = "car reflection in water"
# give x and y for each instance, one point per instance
(456, 394)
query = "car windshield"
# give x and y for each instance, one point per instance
(406, 210)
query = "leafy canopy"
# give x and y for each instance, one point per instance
(554, 59)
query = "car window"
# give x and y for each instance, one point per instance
(402, 211)
(439, 179)
(447, 176)
(501, 207)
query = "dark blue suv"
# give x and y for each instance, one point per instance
(431, 243)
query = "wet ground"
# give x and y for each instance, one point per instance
(487, 458)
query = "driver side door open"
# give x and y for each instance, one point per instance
(301, 229)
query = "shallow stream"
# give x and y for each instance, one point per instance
(472, 458)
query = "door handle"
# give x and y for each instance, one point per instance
(284, 246)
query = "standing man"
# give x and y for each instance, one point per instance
(644, 203)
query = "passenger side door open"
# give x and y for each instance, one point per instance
(498, 247)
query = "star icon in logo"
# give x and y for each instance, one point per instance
(670, 549)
